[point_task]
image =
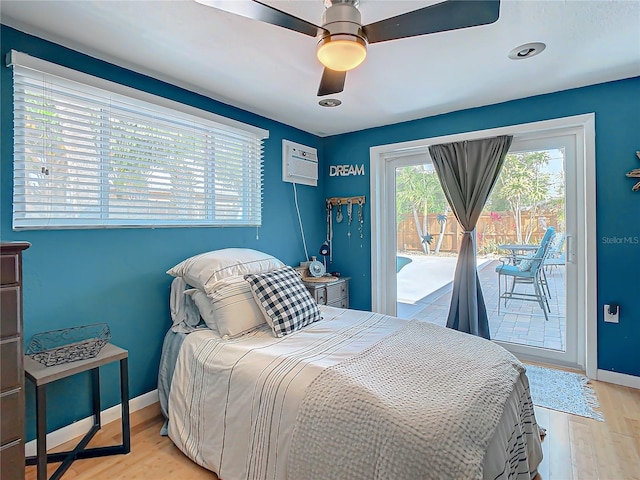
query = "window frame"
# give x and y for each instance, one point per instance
(210, 130)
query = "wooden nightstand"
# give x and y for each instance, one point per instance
(333, 294)
(40, 376)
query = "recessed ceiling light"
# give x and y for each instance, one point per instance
(329, 102)
(527, 50)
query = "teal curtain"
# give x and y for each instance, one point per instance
(467, 172)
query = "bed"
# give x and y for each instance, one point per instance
(350, 395)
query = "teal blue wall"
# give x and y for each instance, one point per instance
(75, 277)
(617, 112)
(117, 276)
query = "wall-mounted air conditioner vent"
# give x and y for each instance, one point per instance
(299, 164)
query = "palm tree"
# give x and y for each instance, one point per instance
(418, 190)
(442, 220)
(523, 187)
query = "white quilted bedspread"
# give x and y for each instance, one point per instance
(422, 403)
(235, 405)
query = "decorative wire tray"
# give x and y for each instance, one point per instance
(323, 279)
(69, 344)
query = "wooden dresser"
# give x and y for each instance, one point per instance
(334, 294)
(11, 361)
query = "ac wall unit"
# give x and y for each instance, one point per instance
(299, 164)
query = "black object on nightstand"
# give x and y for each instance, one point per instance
(40, 376)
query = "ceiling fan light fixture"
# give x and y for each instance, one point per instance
(342, 52)
(343, 38)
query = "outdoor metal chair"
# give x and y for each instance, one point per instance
(528, 270)
(555, 257)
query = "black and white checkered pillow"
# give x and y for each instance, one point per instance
(286, 303)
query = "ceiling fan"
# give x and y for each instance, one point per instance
(343, 40)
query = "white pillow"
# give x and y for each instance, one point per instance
(205, 307)
(204, 270)
(234, 307)
(231, 309)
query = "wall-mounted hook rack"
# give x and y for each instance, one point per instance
(357, 200)
(355, 206)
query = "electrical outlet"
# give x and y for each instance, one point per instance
(613, 317)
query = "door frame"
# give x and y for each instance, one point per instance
(383, 237)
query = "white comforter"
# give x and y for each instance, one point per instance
(234, 403)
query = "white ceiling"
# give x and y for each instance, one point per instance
(274, 72)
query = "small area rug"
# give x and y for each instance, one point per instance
(563, 391)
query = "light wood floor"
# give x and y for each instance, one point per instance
(575, 448)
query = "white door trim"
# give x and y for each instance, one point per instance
(383, 238)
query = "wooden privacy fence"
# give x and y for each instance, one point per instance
(493, 229)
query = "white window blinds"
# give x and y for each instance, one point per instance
(89, 153)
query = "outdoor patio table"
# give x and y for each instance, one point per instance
(516, 249)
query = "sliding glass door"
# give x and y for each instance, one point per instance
(537, 189)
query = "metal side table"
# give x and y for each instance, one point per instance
(40, 376)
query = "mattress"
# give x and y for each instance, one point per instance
(233, 404)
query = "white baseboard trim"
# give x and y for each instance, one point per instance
(79, 428)
(619, 378)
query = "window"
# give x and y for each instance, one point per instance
(89, 153)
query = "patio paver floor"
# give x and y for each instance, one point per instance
(520, 322)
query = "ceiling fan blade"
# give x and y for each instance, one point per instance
(448, 15)
(331, 82)
(265, 13)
